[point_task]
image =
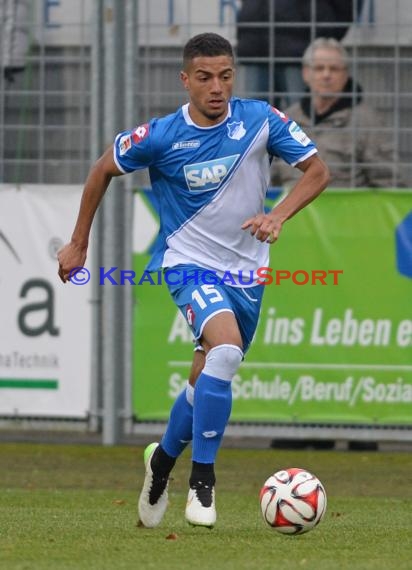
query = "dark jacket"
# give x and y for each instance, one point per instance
(289, 41)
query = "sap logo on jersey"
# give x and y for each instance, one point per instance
(205, 176)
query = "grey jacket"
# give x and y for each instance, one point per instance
(354, 145)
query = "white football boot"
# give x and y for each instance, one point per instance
(200, 507)
(154, 495)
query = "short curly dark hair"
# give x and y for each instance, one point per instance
(206, 45)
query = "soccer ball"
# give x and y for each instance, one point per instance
(293, 501)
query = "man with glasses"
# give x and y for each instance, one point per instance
(348, 132)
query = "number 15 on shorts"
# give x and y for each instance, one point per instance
(206, 294)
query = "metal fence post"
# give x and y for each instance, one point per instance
(131, 52)
(114, 254)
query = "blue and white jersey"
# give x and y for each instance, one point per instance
(209, 180)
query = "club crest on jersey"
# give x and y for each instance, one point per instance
(209, 175)
(236, 130)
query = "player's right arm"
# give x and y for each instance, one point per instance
(74, 253)
(131, 150)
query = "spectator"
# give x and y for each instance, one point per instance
(346, 130)
(280, 52)
(14, 36)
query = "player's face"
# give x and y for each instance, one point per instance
(328, 73)
(209, 81)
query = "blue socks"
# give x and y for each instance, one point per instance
(213, 403)
(212, 407)
(203, 413)
(180, 427)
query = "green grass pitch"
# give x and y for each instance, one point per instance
(74, 507)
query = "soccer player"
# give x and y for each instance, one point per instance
(209, 167)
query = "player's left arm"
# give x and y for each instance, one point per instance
(315, 178)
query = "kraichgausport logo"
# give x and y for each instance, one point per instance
(198, 276)
(206, 176)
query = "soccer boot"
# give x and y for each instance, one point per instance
(200, 507)
(154, 495)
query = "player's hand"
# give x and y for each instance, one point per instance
(265, 227)
(70, 257)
